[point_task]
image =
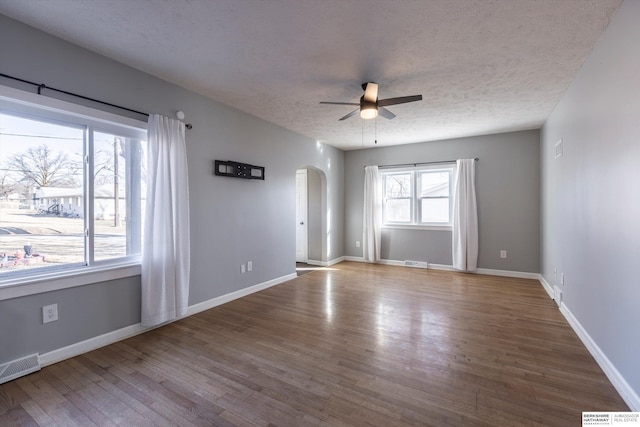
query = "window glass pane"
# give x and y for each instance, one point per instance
(398, 185)
(434, 210)
(397, 210)
(118, 193)
(434, 184)
(41, 170)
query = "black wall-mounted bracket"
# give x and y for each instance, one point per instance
(238, 170)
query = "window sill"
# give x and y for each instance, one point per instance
(54, 281)
(418, 227)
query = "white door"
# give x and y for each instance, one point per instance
(301, 216)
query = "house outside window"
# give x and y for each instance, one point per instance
(419, 197)
(80, 187)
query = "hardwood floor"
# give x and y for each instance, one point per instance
(355, 344)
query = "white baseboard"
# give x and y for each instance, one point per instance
(90, 344)
(214, 302)
(547, 287)
(335, 261)
(627, 393)
(484, 271)
(508, 273)
(623, 388)
(325, 263)
(442, 267)
(86, 346)
(391, 262)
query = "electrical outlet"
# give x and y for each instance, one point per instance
(243, 268)
(562, 279)
(357, 243)
(503, 254)
(250, 266)
(49, 313)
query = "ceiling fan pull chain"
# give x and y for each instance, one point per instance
(375, 127)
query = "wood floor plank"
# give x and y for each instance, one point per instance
(37, 414)
(357, 344)
(11, 396)
(17, 416)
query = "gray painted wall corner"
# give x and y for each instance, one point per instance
(508, 192)
(590, 199)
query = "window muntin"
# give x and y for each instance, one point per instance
(52, 214)
(418, 197)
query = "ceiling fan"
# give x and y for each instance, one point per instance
(370, 105)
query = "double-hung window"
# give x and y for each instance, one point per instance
(71, 189)
(418, 197)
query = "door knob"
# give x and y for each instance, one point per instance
(301, 223)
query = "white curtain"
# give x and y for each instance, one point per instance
(165, 249)
(372, 219)
(465, 217)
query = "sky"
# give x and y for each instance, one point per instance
(18, 134)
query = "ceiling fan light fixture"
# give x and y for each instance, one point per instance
(370, 105)
(369, 111)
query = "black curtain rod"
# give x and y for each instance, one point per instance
(419, 164)
(42, 86)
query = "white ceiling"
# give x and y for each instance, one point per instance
(482, 66)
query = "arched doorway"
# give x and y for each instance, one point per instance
(311, 216)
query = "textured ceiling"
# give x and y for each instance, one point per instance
(482, 66)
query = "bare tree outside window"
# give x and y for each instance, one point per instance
(398, 186)
(42, 166)
(8, 184)
(397, 197)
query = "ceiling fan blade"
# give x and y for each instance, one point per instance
(386, 113)
(399, 100)
(371, 92)
(354, 112)
(340, 103)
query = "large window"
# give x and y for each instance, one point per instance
(71, 191)
(418, 197)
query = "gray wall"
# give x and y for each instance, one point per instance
(591, 197)
(233, 221)
(508, 193)
(83, 312)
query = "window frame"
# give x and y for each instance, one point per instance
(416, 199)
(19, 103)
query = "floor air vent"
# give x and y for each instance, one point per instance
(19, 367)
(415, 264)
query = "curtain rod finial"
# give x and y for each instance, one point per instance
(180, 115)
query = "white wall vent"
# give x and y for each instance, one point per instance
(557, 295)
(19, 367)
(415, 264)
